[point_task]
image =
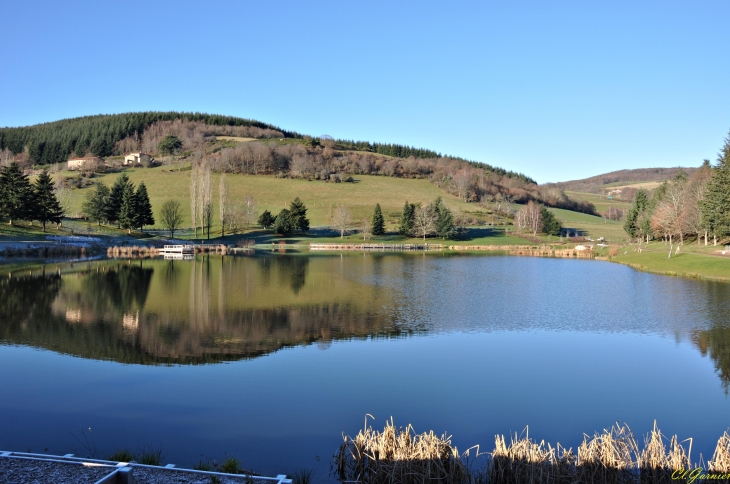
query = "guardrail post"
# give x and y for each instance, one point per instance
(125, 476)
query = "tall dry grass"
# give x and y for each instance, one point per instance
(400, 456)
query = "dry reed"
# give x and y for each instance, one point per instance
(396, 456)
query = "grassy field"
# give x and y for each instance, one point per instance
(591, 225)
(692, 261)
(273, 194)
(601, 203)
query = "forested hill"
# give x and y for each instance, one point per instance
(100, 135)
(600, 183)
(244, 146)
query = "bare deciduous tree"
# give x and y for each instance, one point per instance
(424, 221)
(462, 181)
(534, 217)
(171, 216)
(63, 195)
(194, 182)
(249, 211)
(223, 203)
(205, 196)
(366, 228)
(341, 219)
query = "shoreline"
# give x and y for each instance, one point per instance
(59, 249)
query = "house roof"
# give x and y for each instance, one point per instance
(86, 158)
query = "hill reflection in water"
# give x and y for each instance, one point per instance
(206, 310)
(217, 308)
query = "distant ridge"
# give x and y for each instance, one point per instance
(600, 183)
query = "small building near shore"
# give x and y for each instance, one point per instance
(137, 158)
(78, 163)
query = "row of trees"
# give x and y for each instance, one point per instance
(21, 200)
(122, 204)
(686, 206)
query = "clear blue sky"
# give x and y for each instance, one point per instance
(556, 90)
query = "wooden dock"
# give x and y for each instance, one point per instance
(177, 250)
(375, 247)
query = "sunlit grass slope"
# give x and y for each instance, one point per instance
(273, 194)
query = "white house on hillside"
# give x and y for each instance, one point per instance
(77, 163)
(137, 158)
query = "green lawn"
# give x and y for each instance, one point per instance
(601, 203)
(273, 194)
(687, 263)
(593, 226)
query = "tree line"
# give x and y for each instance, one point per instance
(696, 205)
(21, 200)
(122, 204)
(98, 135)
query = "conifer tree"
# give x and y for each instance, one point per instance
(95, 205)
(550, 224)
(128, 211)
(266, 220)
(407, 219)
(283, 224)
(114, 205)
(716, 204)
(632, 224)
(298, 216)
(144, 214)
(444, 219)
(46, 207)
(16, 194)
(378, 223)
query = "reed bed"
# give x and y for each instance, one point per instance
(400, 456)
(132, 251)
(142, 252)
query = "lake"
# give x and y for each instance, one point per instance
(269, 358)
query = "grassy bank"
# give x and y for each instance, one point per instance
(692, 261)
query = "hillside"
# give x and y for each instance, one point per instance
(617, 181)
(244, 146)
(273, 193)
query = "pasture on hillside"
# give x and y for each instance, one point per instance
(593, 226)
(273, 194)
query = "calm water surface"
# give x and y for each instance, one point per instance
(270, 358)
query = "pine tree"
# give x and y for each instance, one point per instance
(114, 205)
(378, 224)
(550, 224)
(144, 207)
(298, 216)
(46, 206)
(16, 194)
(407, 219)
(716, 205)
(128, 211)
(444, 219)
(95, 205)
(265, 219)
(632, 224)
(283, 224)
